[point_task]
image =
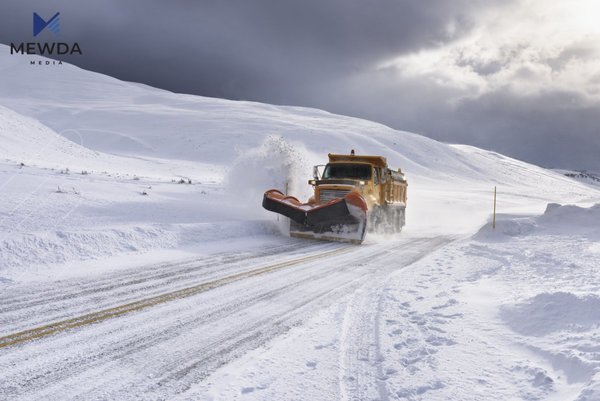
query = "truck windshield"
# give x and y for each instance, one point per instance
(354, 171)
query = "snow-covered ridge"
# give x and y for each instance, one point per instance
(588, 177)
(105, 114)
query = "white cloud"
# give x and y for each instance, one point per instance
(529, 47)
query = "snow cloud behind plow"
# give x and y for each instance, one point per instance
(275, 164)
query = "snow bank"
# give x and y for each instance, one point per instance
(558, 219)
(539, 276)
(549, 312)
(591, 392)
(25, 251)
(506, 228)
(574, 218)
(65, 246)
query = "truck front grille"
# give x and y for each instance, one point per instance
(328, 194)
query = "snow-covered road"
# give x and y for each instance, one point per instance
(163, 350)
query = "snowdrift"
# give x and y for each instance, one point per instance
(549, 312)
(25, 140)
(557, 219)
(571, 218)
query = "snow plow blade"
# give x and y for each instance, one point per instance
(343, 219)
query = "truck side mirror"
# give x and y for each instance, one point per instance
(316, 172)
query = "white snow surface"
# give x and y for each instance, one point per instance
(99, 175)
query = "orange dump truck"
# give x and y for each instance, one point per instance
(352, 194)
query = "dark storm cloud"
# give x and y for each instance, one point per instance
(327, 54)
(257, 49)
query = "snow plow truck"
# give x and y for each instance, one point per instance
(353, 194)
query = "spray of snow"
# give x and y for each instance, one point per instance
(275, 164)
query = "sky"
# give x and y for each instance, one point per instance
(521, 77)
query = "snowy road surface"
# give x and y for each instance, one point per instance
(165, 349)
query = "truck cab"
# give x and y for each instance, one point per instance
(368, 175)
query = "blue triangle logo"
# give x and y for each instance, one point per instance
(39, 24)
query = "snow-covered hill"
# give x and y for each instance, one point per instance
(107, 115)
(129, 137)
(97, 174)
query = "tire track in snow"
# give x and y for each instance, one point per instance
(215, 350)
(361, 374)
(64, 300)
(72, 288)
(95, 317)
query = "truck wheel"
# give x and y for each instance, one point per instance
(376, 220)
(401, 219)
(397, 220)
